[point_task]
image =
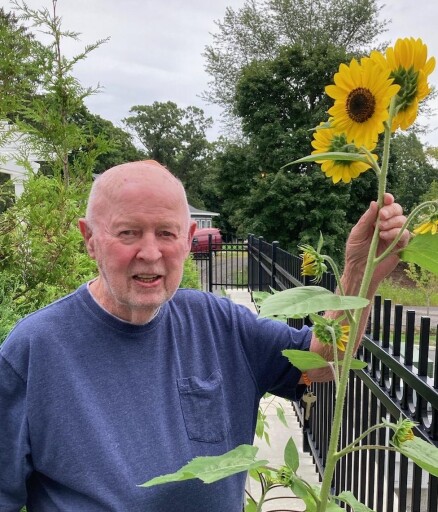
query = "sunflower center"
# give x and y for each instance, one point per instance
(361, 105)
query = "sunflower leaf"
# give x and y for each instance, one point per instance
(213, 468)
(299, 302)
(348, 498)
(332, 155)
(423, 251)
(424, 454)
(305, 360)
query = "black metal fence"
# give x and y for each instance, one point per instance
(401, 380)
(224, 267)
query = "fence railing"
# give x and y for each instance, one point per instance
(224, 267)
(401, 380)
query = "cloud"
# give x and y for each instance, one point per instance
(155, 47)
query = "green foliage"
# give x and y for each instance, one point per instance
(405, 295)
(432, 193)
(42, 252)
(278, 102)
(423, 251)
(299, 302)
(258, 29)
(425, 281)
(211, 469)
(19, 63)
(191, 277)
(410, 175)
(175, 137)
(119, 147)
(47, 116)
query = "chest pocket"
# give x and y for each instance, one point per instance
(203, 407)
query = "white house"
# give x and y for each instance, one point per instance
(10, 141)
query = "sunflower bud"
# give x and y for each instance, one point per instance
(329, 329)
(313, 263)
(403, 432)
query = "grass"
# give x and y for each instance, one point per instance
(405, 295)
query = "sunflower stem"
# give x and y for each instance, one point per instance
(335, 269)
(335, 355)
(363, 292)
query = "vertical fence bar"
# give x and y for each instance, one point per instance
(210, 263)
(260, 268)
(275, 245)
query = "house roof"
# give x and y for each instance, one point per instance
(201, 213)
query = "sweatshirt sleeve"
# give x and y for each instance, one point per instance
(263, 341)
(15, 461)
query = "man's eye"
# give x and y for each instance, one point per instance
(167, 234)
(128, 233)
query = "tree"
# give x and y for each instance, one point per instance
(256, 31)
(432, 193)
(410, 175)
(19, 64)
(41, 250)
(278, 102)
(120, 147)
(47, 117)
(175, 137)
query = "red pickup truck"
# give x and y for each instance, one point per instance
(200, 240)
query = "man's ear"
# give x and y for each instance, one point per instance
(192, 230)
(87, 235)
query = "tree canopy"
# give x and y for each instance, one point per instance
(257, 31)
(175, 137)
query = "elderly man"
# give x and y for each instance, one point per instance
(130, 377)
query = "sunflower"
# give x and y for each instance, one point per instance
(410, 68)
(430, 225)
(313, 263)
(327, 140)
(403, 431)
(362, 93)
(323, 331)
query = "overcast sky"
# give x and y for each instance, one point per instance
(155, 50)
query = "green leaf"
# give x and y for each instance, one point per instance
(259, 297)
(291, 457)
(211, 469)
(305, 361)
(332, 507)
(334, 155)
(299, 302)
(424, 454)
(423, 251)
(348, 497)
(356, 364)
(281, 416)
(300, 489)
(251, 505)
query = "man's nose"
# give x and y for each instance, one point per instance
(149, 248)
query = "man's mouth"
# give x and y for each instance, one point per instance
(147, 278)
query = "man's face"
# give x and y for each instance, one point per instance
(139, 240)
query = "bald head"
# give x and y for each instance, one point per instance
(141, 174)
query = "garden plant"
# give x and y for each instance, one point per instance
(372, 97)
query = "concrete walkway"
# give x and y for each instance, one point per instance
(279, 435)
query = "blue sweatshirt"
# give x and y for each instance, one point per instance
(91, 406)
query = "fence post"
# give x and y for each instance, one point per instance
(249, 251)
(210, 262)
(274, 264)
(260, 266)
